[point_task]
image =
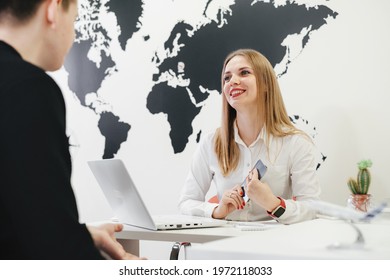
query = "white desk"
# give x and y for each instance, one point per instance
(130, 236)
(307, 240)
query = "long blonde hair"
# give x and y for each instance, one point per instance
(270, 104)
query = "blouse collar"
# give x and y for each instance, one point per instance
(237, 138)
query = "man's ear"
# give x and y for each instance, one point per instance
(52, 8)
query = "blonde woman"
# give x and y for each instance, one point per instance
(255, 125)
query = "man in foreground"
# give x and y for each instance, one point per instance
(38, 211)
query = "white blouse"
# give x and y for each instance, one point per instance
(291, 174)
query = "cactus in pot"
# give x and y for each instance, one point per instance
(360, 199)
(362, 184)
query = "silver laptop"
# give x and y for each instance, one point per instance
(127, 204)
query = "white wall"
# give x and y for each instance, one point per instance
(340, 83)
(345, 92)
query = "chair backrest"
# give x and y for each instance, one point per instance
(214, 199)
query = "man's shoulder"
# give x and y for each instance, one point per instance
(19, 75)
(14, 69)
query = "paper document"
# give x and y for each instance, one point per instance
(255, 226)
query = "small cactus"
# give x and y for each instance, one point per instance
(361, 185)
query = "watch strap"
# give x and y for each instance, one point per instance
(279, 210)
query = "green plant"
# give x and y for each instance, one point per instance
(361, 185)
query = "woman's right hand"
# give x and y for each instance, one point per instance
(231, 200)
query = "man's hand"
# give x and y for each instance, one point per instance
(104, 239)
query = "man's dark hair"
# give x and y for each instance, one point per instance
(23, 9)
(19, 9)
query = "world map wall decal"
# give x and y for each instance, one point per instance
(190, 64)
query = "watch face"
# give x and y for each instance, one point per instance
(279, 212)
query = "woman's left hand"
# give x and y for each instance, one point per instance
(260, 192)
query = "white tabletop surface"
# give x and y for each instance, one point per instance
(199, 235)
(307, 240)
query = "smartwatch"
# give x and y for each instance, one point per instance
(279, 210)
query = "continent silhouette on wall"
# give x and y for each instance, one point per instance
(261, 26)
(86, 76)
(192, 57)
